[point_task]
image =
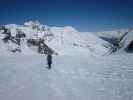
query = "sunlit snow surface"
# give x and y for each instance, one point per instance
(80, 71)
(78, 77)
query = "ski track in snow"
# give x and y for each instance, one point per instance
(71, 78)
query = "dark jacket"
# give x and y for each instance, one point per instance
(49, 59)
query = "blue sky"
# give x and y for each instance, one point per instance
(84, 15)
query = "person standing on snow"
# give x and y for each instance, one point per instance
(49, 61)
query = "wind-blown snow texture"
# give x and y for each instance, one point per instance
(71, 78)
(79, 72)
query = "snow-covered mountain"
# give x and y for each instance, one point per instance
(30, 37)
(62, 40)
(123, 36)
(77, 73)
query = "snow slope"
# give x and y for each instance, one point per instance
(78, 72)
(71, 78)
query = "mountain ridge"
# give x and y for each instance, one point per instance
(60, 40)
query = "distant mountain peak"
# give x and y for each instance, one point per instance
(31, 23)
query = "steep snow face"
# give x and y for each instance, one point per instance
(109, 36)
(11, 31)
(128, 38)
(63, 40)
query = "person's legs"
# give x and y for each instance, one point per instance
(49, 65)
